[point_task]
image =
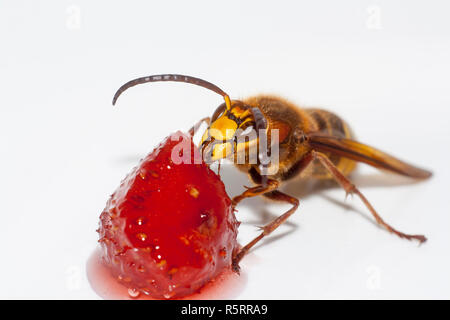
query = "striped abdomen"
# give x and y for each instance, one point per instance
(330, 124)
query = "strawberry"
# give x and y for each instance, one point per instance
(169, 228)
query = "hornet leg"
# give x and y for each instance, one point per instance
(195, 127)
(351, 189)
(273, 194)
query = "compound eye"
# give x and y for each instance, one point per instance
(219, 112)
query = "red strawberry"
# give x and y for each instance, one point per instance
(169, 228)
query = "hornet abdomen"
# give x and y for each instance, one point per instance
(330, 124)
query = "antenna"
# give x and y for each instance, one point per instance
(176, 78)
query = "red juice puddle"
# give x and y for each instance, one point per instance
(226, 285)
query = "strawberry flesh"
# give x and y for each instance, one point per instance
(169, 228)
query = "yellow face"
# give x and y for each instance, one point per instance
(221, 139)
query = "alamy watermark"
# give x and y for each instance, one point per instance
(240, 146)
(73, 19)
(373, 281)
(373, 21)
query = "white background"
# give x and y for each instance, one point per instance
(383, 66)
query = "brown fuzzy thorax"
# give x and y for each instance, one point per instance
(290, 120)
